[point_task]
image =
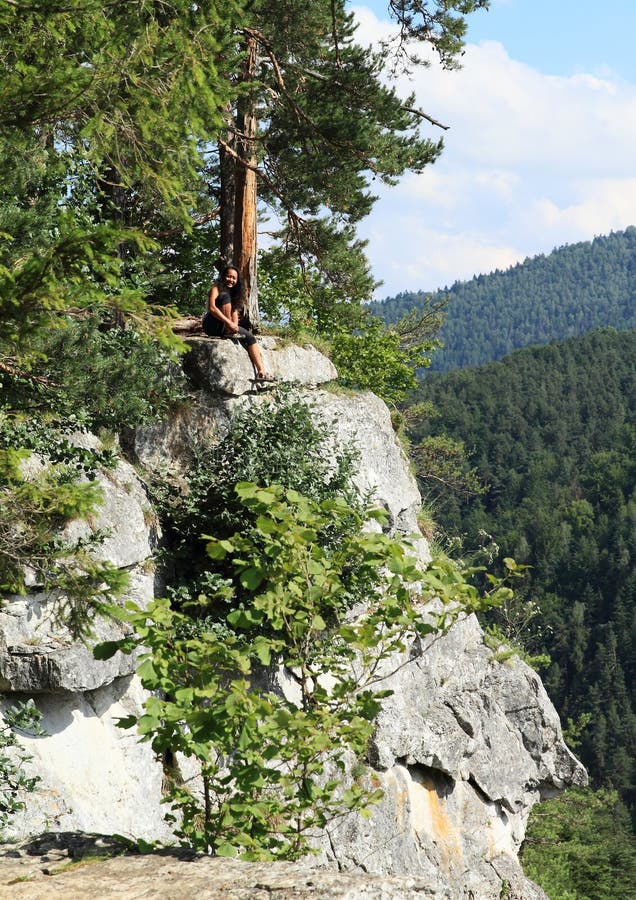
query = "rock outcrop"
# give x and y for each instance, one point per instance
(462, 750)
(72, 867)
(463, 747)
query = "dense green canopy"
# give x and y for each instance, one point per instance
(121, 137)
(551, 431)
(569, 292)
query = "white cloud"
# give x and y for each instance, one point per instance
(604, 205)
(531, 162)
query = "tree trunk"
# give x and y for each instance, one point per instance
(245, 175)
(227, 164)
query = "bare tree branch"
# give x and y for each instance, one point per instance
(334, 32)
(423, 115)
(28, 376)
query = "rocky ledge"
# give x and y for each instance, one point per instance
(74, 867)
(463, 748)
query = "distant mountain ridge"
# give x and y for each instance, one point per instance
(573, 290)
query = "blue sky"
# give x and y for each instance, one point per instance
(541, 150)
(561, 37)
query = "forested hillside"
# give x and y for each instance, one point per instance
(573, 290)
(552, 432)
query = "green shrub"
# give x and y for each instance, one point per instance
(283, 440)
(273, 767)
(14, 782)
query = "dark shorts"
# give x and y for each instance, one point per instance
(213, 327)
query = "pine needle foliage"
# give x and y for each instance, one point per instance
(580, 847)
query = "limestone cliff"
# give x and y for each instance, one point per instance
(463, 747)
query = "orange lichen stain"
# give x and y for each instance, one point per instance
(430, 816)
(401, 797)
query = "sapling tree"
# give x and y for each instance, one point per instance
(272, 760)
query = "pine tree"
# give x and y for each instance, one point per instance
(313, 125)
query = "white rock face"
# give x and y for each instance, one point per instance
(38, 656)
(95, 776)
(364, 420)
(462, 749)
(221, 366)
(125, 516)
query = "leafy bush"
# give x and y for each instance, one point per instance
(283, 440)
(14, 782)
(374, 358)
(273, 767)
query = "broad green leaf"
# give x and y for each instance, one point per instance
(225, 849)
(106, 650)
(252, 577)
(126, 722)
(263, 650)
